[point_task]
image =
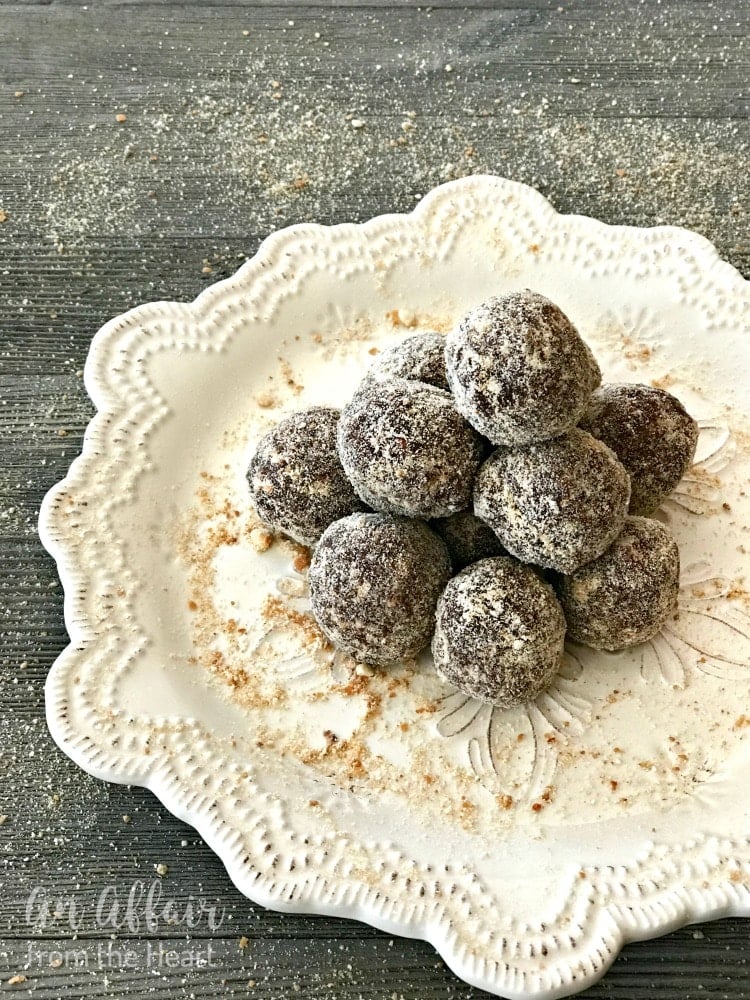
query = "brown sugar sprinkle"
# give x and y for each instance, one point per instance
(550, 738)
(725, 506)
(646, 765)
(546, 796)
(221, 535)
(357, 685)
(735, 875)
(397, 682)
(193, 605)
(505, 801)
(302, 560)
(634, 351)
(217, 663)
(373, 700)
(288, 376)
(394, 317)
(274, 610)
(261, 538)
(403, 726)
(613, 784)
(314, 803)
(349, 752)
(741, 722)
(534, 248)
(266, 400)
(374, 350)
(520, 738)
(430, 779)
(737, 593)
(697, 472)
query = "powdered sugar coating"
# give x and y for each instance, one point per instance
(297, 484)
(557, 504)
(499, 632)
(418, 358)
(468, 539)
(374, 585)
(651, 433)
(518, 369)
(406, 450)
(627, 594)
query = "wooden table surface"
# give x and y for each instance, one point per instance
(146, 149)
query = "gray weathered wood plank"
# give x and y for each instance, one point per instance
(635, 115)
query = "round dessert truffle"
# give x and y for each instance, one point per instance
(418, 358)
(406, 450)
(499, 632)
(297, 484)
(467, 538)
(374, 584)
(651, 433)
(519, 370)
(625, 596)
(558, 504)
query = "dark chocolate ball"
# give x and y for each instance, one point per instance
(297, 484)
(518, 369)
(406, 450)
(499, 632)
(418, 358)
(468, 538)
(627, 594)
(651, 433)
(374, 584)
(557, 504)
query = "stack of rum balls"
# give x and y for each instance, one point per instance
(486, 492)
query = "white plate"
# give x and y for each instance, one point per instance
(527, 846)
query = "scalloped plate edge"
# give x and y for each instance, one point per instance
(155, 778)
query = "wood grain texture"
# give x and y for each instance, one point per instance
(238, 121)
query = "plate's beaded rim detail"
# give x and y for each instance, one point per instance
(265, 857)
